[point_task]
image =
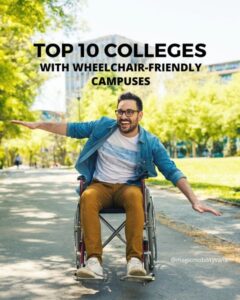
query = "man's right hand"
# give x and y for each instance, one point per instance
(31, 125)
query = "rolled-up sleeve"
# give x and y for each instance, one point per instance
(164, 164)
(80, 130)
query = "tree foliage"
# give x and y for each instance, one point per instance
(19, 22)
(199, 109)
(231, 109)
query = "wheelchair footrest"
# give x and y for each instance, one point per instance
(96, 278)
(146, 278)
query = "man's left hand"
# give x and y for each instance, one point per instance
(199, 207)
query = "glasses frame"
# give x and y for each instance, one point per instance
(127, 112)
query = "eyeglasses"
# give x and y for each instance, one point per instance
(128, 112)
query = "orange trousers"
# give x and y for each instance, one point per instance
(100, 195)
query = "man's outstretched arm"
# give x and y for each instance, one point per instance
(168, 168)
(58, 128)
(185, 188)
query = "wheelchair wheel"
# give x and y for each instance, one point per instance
(78, 239)
(150, 241)
(151, 231)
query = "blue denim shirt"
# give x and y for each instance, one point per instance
(151, 151)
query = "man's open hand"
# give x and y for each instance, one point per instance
(31, 125)
(199, 207)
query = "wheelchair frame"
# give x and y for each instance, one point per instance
(149, 232)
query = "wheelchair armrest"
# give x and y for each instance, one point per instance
(81, 177)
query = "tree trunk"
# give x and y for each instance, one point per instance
(194, 152)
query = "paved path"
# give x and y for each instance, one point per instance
(176, 207)
(37, 257)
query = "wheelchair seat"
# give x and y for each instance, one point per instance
(112, 210)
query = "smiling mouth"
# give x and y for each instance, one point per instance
(124, 122)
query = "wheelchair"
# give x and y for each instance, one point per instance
(149, 232)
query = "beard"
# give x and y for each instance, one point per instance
(126, 126)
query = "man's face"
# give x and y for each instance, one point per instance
(127, 124)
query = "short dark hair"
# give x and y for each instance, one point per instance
(131, 96)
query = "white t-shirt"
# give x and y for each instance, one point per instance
(117, 159)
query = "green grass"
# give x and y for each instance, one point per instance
(213, 177)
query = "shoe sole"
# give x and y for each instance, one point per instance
(85, 274)
(142, 279)
(137, 273)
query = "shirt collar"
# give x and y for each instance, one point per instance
(141, 135)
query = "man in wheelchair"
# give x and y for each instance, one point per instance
(117, 155)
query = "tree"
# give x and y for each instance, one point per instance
(192, 109)
(19, 21)
(231, 108)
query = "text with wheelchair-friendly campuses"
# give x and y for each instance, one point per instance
(121, 58)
